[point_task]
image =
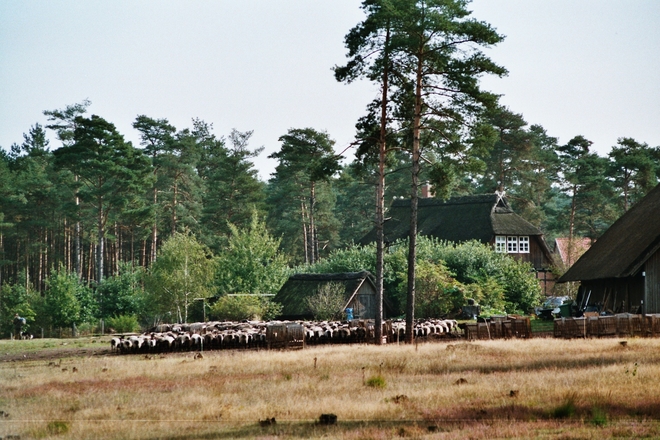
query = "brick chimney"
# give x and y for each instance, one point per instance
(426, 190)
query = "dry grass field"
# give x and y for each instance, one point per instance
(539, 388)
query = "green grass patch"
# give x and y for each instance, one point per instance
(12, 348)
(57, 427)
(598, 416)
(376, 381)
(542, 325)
(566, 409)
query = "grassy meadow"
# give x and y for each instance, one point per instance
(538, 388)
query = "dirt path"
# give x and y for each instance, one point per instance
(48, 354)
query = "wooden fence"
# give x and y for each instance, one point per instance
(497, 327)
(625, 324)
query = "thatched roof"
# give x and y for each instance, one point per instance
(459, 219)
(299, 287)
(625, 246)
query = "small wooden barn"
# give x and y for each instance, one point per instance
(487, 218)
(621, 270)
(359, 293)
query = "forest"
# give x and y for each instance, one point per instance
(85, 213)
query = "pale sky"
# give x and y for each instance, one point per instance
(575, 66)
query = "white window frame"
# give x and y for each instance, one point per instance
(523, 244)
(512, 244)
(500, 244)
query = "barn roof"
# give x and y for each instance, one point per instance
(459, 219)
(625, 246)
(298, 287)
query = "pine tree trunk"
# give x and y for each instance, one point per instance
(2, 255)
(312, 226)
(304, 227)
(3, 269)
(571, 221)
(90, 260)
(154, 231)
(67, 250)
(174, 203)
(100, 242)
(117, 249)
(27, 265)
(412, 248)
(40, 262)
(78, 250)
(132, 247)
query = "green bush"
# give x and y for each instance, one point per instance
(122, 294)
(327, 303)
(123, 323)
(61, 304)
(240, 307)
(437, 292)
(87, 328)
(15, 298)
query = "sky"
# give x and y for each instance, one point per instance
(576, 67)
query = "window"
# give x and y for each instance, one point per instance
(512, 245)
(523, 245)
(500, 243)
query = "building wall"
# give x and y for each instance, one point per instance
(617, 295)
(652, 284)
(364, 303)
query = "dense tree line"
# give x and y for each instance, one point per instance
(94, 211)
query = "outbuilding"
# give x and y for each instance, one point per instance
(621, 271)
(359, 293)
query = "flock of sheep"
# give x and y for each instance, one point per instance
(258, 334)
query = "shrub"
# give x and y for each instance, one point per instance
(15, 298)
(122, 294)
(240, 307)
(437, 293)
(61, 302)
(123, 323)
(87, 328)
(327, 303)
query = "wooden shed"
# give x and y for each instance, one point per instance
(621, 270)
(487, 218)
(359, 293)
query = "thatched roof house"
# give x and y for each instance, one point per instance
(487, 218)
(621, 270)
(359, 293)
